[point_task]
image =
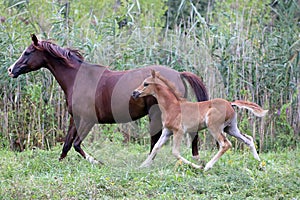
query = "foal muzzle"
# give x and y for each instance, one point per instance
(136, 94)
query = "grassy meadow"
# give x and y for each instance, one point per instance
(247, 50)
(37, 174)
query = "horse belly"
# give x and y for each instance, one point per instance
(118, 109)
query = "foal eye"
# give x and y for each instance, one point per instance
(146, 84)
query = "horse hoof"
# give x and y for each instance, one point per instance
(96, 162)
(197, 157)
(62, 156)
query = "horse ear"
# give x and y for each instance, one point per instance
(34, 39)
(153, 73)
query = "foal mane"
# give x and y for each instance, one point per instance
(65, 55)
(171, 86)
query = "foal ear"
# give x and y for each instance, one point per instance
(153, 73)
(34, 39)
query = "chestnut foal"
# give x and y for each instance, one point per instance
(180, 116)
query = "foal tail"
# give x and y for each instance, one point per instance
(253, 107)
(197, 85)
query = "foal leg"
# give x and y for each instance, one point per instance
(248, 140)
(224, 145)
(156, 126)
(166, 133)
(69, 139)
(177, 138)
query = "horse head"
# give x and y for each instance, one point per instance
(31, 59)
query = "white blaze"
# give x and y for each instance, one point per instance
(10, 69)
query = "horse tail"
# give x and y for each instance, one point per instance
(197, 85)
(253, 107)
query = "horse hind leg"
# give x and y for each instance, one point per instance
(224, 145)
(195, 152)
(77, 147)
(82, 131)
(248, 140)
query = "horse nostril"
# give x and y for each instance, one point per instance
(9, 70)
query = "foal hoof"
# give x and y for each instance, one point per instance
(145, 165)
(207, 167)
(198, 167)
(262, 166)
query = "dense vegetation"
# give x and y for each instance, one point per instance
(242, 50)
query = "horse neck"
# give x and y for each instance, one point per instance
(64, 75)
(79, 73)
(166, 99)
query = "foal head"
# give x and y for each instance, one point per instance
(149, 84)
(147, 87)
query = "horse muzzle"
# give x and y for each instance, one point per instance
(11, 74)
(136, 94)
(14, 72)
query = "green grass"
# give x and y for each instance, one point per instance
(37, 174)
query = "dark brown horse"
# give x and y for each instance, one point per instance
(95, 94)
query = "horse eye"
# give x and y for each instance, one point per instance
(146, 84)
(26, 53)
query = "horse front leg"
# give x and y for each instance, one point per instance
(69, 139)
